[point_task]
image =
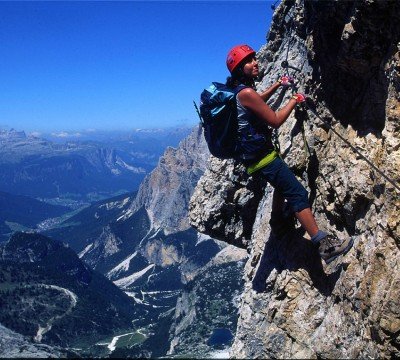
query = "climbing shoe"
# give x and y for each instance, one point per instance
(330, 247)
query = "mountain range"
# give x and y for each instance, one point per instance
(79, 171)
(145, 245)
(50, 295)
(36, 173)
(142, 244)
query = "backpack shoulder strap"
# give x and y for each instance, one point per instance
(240, 88)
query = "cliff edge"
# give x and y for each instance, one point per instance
(345, 55)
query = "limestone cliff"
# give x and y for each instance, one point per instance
(345, 55)
(165, 192)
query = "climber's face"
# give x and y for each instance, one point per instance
(250, 67)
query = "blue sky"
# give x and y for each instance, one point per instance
(116, 65)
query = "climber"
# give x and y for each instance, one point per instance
(257, 153)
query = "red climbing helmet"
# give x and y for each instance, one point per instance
(236, 55)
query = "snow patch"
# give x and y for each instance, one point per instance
(85, 250)
(129, 280)
(220, 354)
(115, 204)
(111, 346)
(201, 238)
(133, 296)
(126, 215)
(121, 267)
(136, 170)
(157, 231)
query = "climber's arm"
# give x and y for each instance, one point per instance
(254, 102)
(266, 94)
(283, 81)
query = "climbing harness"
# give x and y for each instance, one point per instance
(266, 160)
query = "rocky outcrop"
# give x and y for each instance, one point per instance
(346, 57)
(231, 202)
(166, 191)
(14, 345)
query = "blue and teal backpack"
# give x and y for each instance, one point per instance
(218, 114)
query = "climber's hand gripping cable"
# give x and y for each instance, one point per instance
(299, 97)
(286, 81)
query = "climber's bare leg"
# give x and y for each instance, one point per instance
(307, 221)
(305, 216)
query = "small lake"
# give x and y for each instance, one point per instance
(220, 336)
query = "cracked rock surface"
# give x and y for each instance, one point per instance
(346, 56)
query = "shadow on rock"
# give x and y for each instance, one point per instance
(292, 252)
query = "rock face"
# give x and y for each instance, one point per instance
(165, 192)
(231, 202)
(346, 57)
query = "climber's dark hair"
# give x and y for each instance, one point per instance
(237, 78)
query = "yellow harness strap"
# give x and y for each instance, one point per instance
(263, 162)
